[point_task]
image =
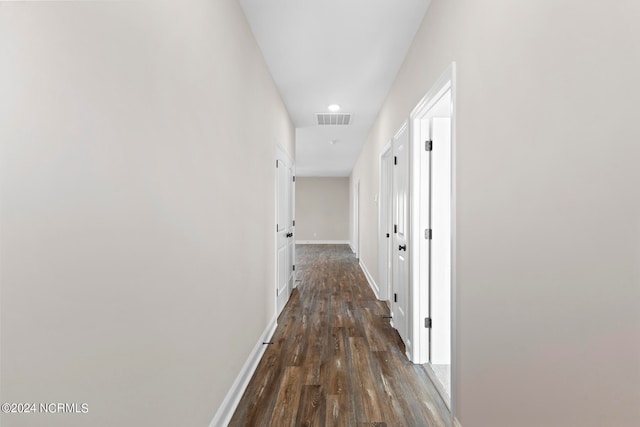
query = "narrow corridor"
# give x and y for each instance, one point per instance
(335, 360)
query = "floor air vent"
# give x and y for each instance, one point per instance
(325, 119)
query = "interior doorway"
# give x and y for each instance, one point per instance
(433, 216)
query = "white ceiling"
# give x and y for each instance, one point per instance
(344, 52)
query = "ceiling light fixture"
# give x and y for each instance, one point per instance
(334, 107)
(333, 141)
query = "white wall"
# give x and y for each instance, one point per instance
(322, 208)
(137, 207)
(548, 215)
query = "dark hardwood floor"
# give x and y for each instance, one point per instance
(335, 360)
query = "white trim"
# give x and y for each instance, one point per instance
(372, 283)
(230, 403)
(456, 423)
(454, 239)
(386, 147)
(351, 247)
(323, 242)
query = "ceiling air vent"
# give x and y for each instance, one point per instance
(325, 119)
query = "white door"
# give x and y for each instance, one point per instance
(400, 249)
(356, 220)
(385, 227)
(290, 230)
(284, 232)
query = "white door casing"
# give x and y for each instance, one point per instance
(400, 248)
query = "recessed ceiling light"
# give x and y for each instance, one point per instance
(334, 107)
(333, 141)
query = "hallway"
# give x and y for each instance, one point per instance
(334, 359)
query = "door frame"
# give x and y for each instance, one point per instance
(356, 219)
(385, 285)
(281, 154)
(419, 265)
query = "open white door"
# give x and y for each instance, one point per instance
(400, 250)
(284, 230)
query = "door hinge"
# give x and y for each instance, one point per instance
(388, 235)
(294, 222)
(294, 267)
(395, 229)
(427, 234)
(428, 145)
(395, 160)
(395, 297)
(427, 322)
(294, 179)
(276, 163)
(277, 228)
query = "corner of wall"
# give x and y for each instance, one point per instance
(372, 283)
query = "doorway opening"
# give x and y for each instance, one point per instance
(433, 214)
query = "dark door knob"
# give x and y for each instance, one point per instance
(402, 248)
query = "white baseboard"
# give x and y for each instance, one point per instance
(231, 400)
(456, 423)
(322, 242)
(351, 247)
(372, 283)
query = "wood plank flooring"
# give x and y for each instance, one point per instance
(335, 360)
